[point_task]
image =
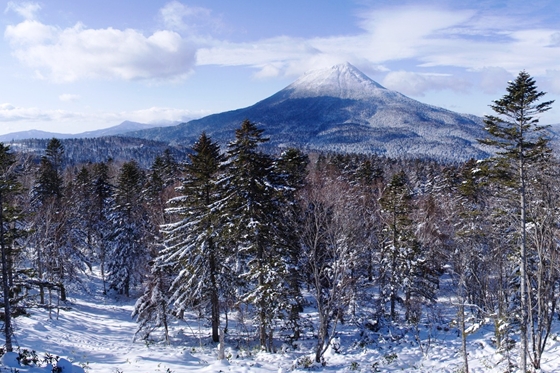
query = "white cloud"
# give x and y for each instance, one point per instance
(416, 84)
(551, 82)
(67, 97)
(406, 37)
(11, 113)
(155, 115)
(555, 39)
(27, 10)
(70, 54)
(410, 37)
(64, 121)
(194, 20)
(268, 71)
(493, 79)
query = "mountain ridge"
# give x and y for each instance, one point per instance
(119, 129)
(341, 109)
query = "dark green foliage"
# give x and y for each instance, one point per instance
(131, 230)
(192, 248)
(252, 210)
(9, 215)
(521, 144)
(49, 181)
(152, 308)
(401, 249)
(291, 170)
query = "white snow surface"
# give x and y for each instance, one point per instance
(342, 81)
(95, 334)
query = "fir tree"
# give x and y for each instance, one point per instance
(131, 229)
(191, 247)
(400, 246)
(102, 205)
(251, 209)
(291, 170)
(9, 187)
(49, 182)
(53, 251)
(152, 308)
(520, 142)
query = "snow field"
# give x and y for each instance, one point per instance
(96, 335)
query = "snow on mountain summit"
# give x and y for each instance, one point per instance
(341, 109)
(341, 81)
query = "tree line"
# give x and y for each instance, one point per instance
(239, 232)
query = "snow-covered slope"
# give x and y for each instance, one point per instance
(342, 81)
(341, 109)
(96, 333)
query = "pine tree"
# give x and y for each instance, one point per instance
(49, 182)
(161, 177)
(251, 208)
(82, 220)
(9, 187)
(129, 242)
(520, 142)
(192, 249)
(291, 170)
(51, 223)
(152, 308)
(102, 205)
(401, 247)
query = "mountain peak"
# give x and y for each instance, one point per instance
(341, 81)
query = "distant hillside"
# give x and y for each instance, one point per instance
(102, 149)
(341, 109)
(120, 129)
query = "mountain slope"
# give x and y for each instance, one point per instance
(341, 109)
(119, 129)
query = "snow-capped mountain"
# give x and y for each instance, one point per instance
(341, 109)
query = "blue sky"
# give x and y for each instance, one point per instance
(76, 66)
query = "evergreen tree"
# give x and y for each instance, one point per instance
(103, 202)
(400, 246)
(9, 187)
(291, 170)
(252, 208)
(160, 178)
(152, 308)
(49, 182)
(192, 249)
(82, 219)
(53, 250)
(131, 230)
(520, 142)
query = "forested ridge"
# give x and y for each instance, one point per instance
(118, 149)
(238, 233)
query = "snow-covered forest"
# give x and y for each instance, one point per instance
(294, 254)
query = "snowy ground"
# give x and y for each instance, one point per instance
(96, 334)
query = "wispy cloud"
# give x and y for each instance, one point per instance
(40, 118)
(67, 97)
(405, 42)
(417, 84)
(27, 10)
(423, 38)
(189, 20)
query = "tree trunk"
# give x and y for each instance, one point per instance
(214, 299)
(523, 270)
(5, 285)
(462, 327)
